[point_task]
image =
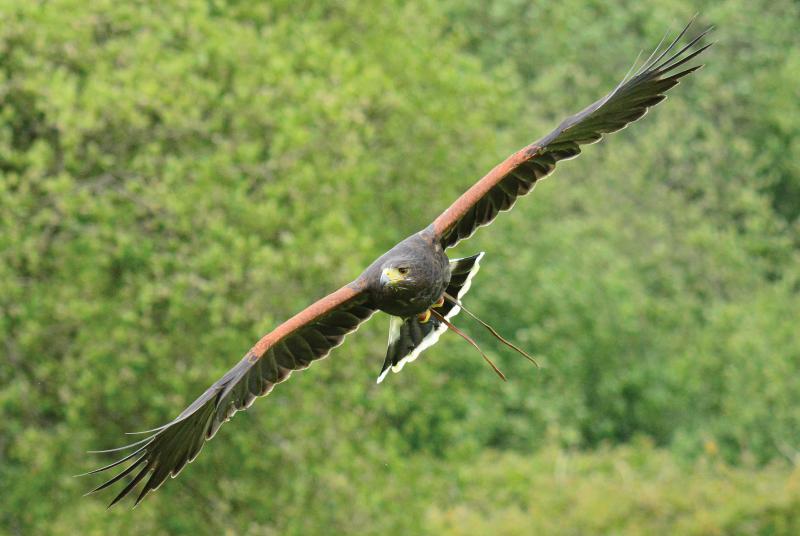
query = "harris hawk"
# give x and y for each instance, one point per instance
(414, 282)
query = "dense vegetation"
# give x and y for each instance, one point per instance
(178, 177)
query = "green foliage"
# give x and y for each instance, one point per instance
(634, 489)
(177, 178)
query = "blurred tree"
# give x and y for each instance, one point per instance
(177, 178)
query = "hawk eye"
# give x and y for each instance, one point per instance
(403, 270)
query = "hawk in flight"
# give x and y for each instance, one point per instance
(414, 282)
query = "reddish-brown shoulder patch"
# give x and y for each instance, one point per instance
(456, 211)
(306, 316)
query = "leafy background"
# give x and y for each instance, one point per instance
(178, 177)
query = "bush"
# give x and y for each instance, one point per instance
(175, 179)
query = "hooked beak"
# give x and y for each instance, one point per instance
(391, 276)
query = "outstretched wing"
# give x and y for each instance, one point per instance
(519, 173)
(307, 336)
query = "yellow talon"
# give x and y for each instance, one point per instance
(424, 317)
(439, 302)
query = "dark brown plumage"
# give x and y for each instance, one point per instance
(425, 275)
(410, 279)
